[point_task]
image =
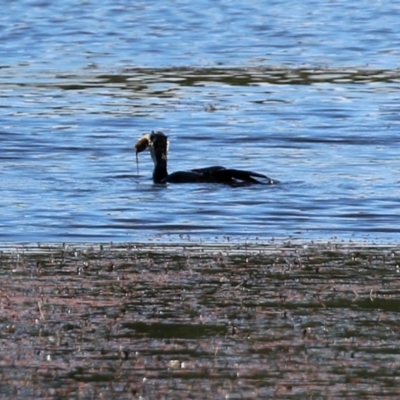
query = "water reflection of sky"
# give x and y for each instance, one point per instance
(312, 101)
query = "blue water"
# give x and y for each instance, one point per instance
(307, 93)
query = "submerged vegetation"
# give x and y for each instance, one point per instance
(209, 321)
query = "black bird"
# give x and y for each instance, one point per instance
(157, 143)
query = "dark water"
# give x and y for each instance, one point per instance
(200, 322)
(211, 322)
(309, 97)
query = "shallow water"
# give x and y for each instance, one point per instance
(226, 321)
(309, 98)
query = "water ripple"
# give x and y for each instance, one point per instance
(309, 98)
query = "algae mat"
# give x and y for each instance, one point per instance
(200, 321)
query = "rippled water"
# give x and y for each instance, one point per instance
(309, 97)
(209, 322)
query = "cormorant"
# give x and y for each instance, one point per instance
(157, 143)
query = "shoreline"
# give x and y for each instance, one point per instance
(157, 320)
(240, 247)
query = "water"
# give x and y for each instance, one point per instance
(200, 322)
(309, 97)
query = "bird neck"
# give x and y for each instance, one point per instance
(160, 172)
(159, 157)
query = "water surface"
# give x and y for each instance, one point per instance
(225, 321)
(309, 98)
